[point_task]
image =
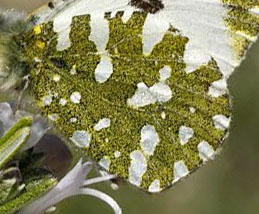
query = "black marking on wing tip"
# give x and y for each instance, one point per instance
(119, 14)
(149, 6)
(107, 15)
(51, 5)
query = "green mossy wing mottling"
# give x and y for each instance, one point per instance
(241, 21)
(109, 99)
(246, 4)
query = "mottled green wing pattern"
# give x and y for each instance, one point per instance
(243, 21)
(152, 143)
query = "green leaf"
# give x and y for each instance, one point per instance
(14, 139)
(34, 188)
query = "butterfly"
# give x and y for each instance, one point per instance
(141, 86)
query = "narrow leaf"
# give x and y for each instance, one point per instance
(14, 139)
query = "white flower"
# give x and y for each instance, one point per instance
(74, 183)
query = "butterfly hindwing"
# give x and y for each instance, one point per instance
(142, 91)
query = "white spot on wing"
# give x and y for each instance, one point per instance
(218, 88)
(62, 102)
(137, 168)
(100, 36)
(185, 134)
(75, 97)
(117, 154)
(161, 92)
(63, 40)
(53, 117)
(81, 138)
(165, 73)
(56, 78)
(154, 186)
(142, 97)
(149, 139)
(127, 14)
(102, 124)
(192, 110)
(154, 30)
(73, 120)
(47, 100)
(180, 170)
(104, 69)
(254, 10)
(221, 122)
(163, 115)
(105, 163)
(99, 31)
(206, 151)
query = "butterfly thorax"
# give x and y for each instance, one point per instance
(14, 60)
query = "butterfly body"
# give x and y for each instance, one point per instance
(143, 90)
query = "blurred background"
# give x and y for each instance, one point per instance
(230, 184)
